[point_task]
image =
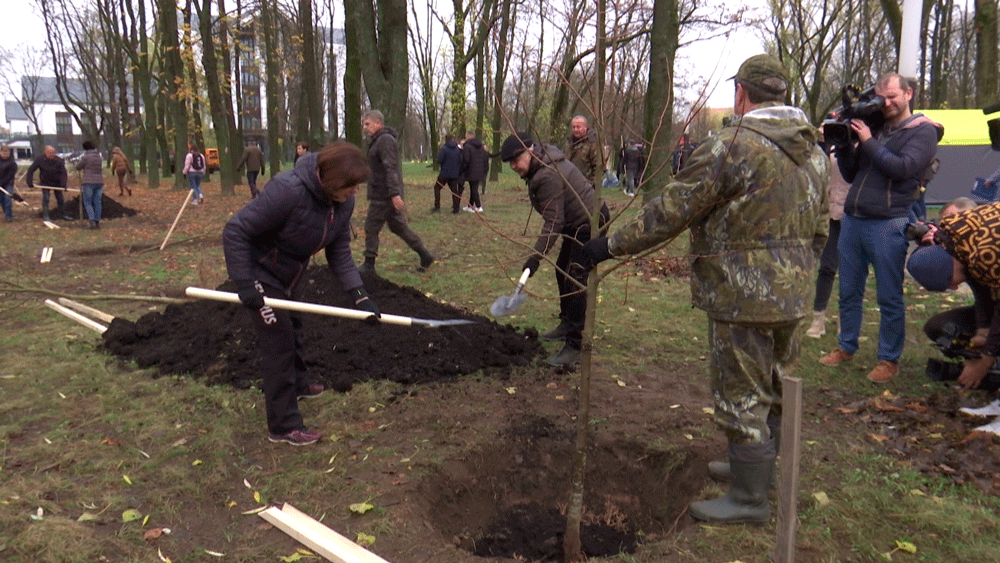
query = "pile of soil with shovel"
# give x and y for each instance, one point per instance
(110, 209)
(215, 341)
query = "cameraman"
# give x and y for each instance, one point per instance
(885, 169)
(965, 249)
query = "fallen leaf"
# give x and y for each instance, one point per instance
(257, 497)
(878, 437)
(127, 480)
(153, 534)
(256, 510)
(510, 390)
(846, 410)
(906, 546)
(87, 517)
(247, 484)
(145, 520)
(131, 515)
(620, 383)
(215, 553)
(38, 514)
(364, 539)
(360, 507)
(162, 558)
(196, 462)
(111, 442)
(822, 499)
(291, 558)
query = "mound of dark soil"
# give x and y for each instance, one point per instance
(110, 209)
(216, 341)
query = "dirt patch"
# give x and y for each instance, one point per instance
(932, 436)
(110, 209)
(500, 500)
(216, 341)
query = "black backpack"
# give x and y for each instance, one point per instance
(197, 162)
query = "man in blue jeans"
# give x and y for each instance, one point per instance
(885, 168)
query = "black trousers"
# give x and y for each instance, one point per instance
(281, 363)
(569, 279)
(453, 187)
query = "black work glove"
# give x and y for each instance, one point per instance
(531, 265)
(364, 303)
(250, 296)
(594, 252)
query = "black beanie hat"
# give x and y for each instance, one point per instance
(515, 145)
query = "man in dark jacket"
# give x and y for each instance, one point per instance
(253, 159)
(8, 170)
(450, 160)
(885, 169)
(565, 199)
(475, 167)
(631, 165)
(581, 149)
(51, 172)
(268, 245)
(385, 193)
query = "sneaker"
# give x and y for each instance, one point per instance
(818, 326)
(300, 437)
(992, 409)
(194, 201)
(469, 209)
(566, 357)
(311, 390)
(479, 210)
(836, 357)
(992, 427)
(884, 371)
(558, 333)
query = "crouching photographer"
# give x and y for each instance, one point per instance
(965, 248)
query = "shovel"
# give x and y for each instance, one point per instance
(505, 305)
(324, 309)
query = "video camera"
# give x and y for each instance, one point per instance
(865, 105)
(954, 345)
(916, 231)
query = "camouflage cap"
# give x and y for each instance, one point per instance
(765, 72)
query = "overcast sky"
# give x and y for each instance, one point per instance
(23, 24)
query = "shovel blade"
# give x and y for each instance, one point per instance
(506, 305)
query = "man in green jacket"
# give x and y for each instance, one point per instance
(754, 197)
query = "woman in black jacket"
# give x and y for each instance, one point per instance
(268, 244)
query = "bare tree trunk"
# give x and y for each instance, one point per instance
(381, 37)
(174, 76)
(660, 94)
(271, 84)
(986, 52)
(216, 99)
(502, 64)
(312, 79)
(352, 75)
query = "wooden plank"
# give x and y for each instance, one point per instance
(99, 315)
(176, 219)
(788, 486)
(317, 537)
(95, 326)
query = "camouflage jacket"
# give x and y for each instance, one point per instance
(584, 154)
(755, 199)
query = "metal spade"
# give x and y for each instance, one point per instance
(507, 304)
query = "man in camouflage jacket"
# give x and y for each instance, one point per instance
(581, 149)
(755, 200)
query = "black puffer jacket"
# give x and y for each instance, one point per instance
(475, 160)
(560, 193)
(273, 237)
(383, 158)
(8, 170)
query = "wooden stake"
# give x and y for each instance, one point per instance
(95, 326)
(176, 219)
(100, 315)
(788, 486)
(317, 537)
(55, 188)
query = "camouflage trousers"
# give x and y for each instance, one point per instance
(747, 364)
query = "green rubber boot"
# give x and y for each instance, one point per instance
(747, 501)
(719, 470)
